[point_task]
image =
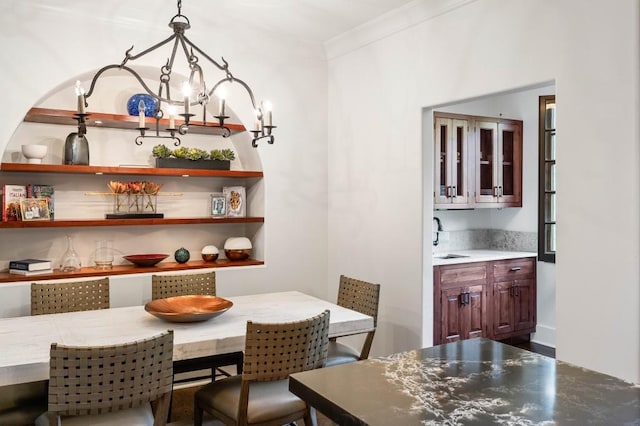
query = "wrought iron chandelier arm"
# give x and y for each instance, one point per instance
(224, 67)
(242, 83)
(144, 52)
(140, 80)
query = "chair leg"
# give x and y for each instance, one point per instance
(310, 418)
(197, 414)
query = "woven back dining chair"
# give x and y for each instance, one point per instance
(107, 385)
(260, 396)
(70, 296)
(163, 286)
(361, 296)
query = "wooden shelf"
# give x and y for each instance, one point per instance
(6, 277)
(127, 222)
(118, 121)
(114, 170)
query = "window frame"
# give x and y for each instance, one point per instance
(543, 254)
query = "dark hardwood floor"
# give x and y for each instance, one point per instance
(532, 346)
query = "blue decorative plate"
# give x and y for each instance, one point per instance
(150, 104)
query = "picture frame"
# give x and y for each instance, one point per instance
(35, 209)
(218, 205)
(236, 200)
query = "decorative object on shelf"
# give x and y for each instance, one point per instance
(76, 146)
(149, 102)
(11, 196)
(34, 153)
(190, 308)
(134, 199)
(237, 248)
(179, 23)
(192, 158)
(103, 257)
(218, 205)
(182, 255)
(145, 259)
(70, 261)
(210, 253)
(35, 190)
(34, 209)
(235, 196)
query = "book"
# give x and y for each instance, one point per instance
(30, 264)
(21, 272)
(11, 196)
(35, 190)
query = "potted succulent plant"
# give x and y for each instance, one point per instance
(193, 158)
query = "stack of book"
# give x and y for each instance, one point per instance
(30, 267)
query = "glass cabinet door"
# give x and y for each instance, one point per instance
(486, 170)
(451, 158)
(510, 162)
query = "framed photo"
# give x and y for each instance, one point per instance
(236, 200)
(218, 205)
(35, 209)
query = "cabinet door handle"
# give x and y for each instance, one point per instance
(454, 191)
(515, 268)
(515, 290)
(495, 191)
(465, 298)
(501, 191)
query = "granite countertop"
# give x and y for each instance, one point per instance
(484, 255)
(476, 381)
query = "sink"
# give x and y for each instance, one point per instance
(449, 256)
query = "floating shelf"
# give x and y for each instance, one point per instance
(114, 170)
(6, 277)
(127, 222)
(118, 121)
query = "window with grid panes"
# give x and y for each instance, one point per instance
(547, 180)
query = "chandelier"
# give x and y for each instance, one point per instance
(195, 91)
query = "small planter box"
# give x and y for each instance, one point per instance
(183, 163)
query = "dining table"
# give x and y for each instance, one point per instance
(470, 382)
(25, 341)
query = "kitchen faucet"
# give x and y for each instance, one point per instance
(437, 227)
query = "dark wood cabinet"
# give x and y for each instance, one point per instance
(461, 297)
(495, 299)
(514, 297)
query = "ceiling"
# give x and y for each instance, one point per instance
(312, 20)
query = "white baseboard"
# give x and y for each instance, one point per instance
(544, 335)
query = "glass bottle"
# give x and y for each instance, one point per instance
(70, 260)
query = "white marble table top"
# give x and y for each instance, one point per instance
(25, 341)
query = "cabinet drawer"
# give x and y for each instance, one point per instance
(514, 268)
(463, 274)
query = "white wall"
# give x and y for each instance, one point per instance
(48, 44)
(380, 81)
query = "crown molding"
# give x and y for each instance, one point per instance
(390, 23)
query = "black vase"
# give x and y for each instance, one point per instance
(76, 149)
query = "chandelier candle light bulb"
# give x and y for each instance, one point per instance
(141, 107)
(172, 116)
(186, 91)
(80, 95)
(222, 94)
(268, 107)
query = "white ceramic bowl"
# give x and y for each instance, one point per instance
(34, 153)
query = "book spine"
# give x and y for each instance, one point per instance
(19, 265)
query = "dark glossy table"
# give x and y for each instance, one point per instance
(473, 382)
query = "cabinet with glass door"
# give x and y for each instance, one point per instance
(498, 164)
(452, 161)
